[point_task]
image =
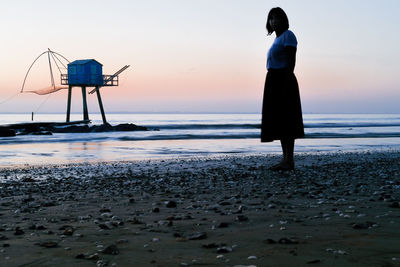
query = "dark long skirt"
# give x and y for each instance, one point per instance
(281, 114)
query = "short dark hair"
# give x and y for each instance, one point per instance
(277, 11)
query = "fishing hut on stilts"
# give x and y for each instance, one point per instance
(83, 73)
(88, 73)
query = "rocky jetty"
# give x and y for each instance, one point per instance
(6, 132)
(50, 128)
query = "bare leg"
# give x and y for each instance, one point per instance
(287, 163)
(284, 150)
(289, 147)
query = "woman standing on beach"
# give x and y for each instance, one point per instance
(281, 114)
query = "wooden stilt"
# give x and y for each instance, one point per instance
(103, 115)
(85, 109)
(69, 103)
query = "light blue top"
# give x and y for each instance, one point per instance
(277, 58)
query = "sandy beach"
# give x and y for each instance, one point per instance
(338, 209)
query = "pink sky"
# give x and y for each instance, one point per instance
(203, 55)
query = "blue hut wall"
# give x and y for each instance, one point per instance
(86, 72)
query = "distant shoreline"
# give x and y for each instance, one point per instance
(186, 112)
(183, 135)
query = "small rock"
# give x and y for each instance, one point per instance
(106, 215)
(341, 252)
(115, 218)
(104, 226)
(197, 236)
(105, 210)
(64, 227)
(360, 226)
(242, 218)
(28, 199)
(93, 257)
(252, 257)
(85, 218)
(313, 261)
(68, 231)
(171, 204)
(111, 250)
(81, 256)
(269, 241)
(48, 244)
(365, 225)
(40, 227)
(18, 231)
(223, 225)
(101, 263)
(134, 221)
(224, 249)
(156, 210)
(287, 241)
(27, 180)
(210, 245)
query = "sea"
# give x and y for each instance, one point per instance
(180, 135)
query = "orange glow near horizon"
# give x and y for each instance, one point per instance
(203, 55)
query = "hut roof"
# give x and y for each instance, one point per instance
(83, 62)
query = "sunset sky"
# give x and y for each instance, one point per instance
(204, 55)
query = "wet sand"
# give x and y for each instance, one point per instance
(339, 209)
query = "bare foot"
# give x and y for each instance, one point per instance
(283, 166)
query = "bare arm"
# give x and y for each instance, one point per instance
(291, 51)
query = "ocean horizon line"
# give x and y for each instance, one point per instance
(204, 112)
